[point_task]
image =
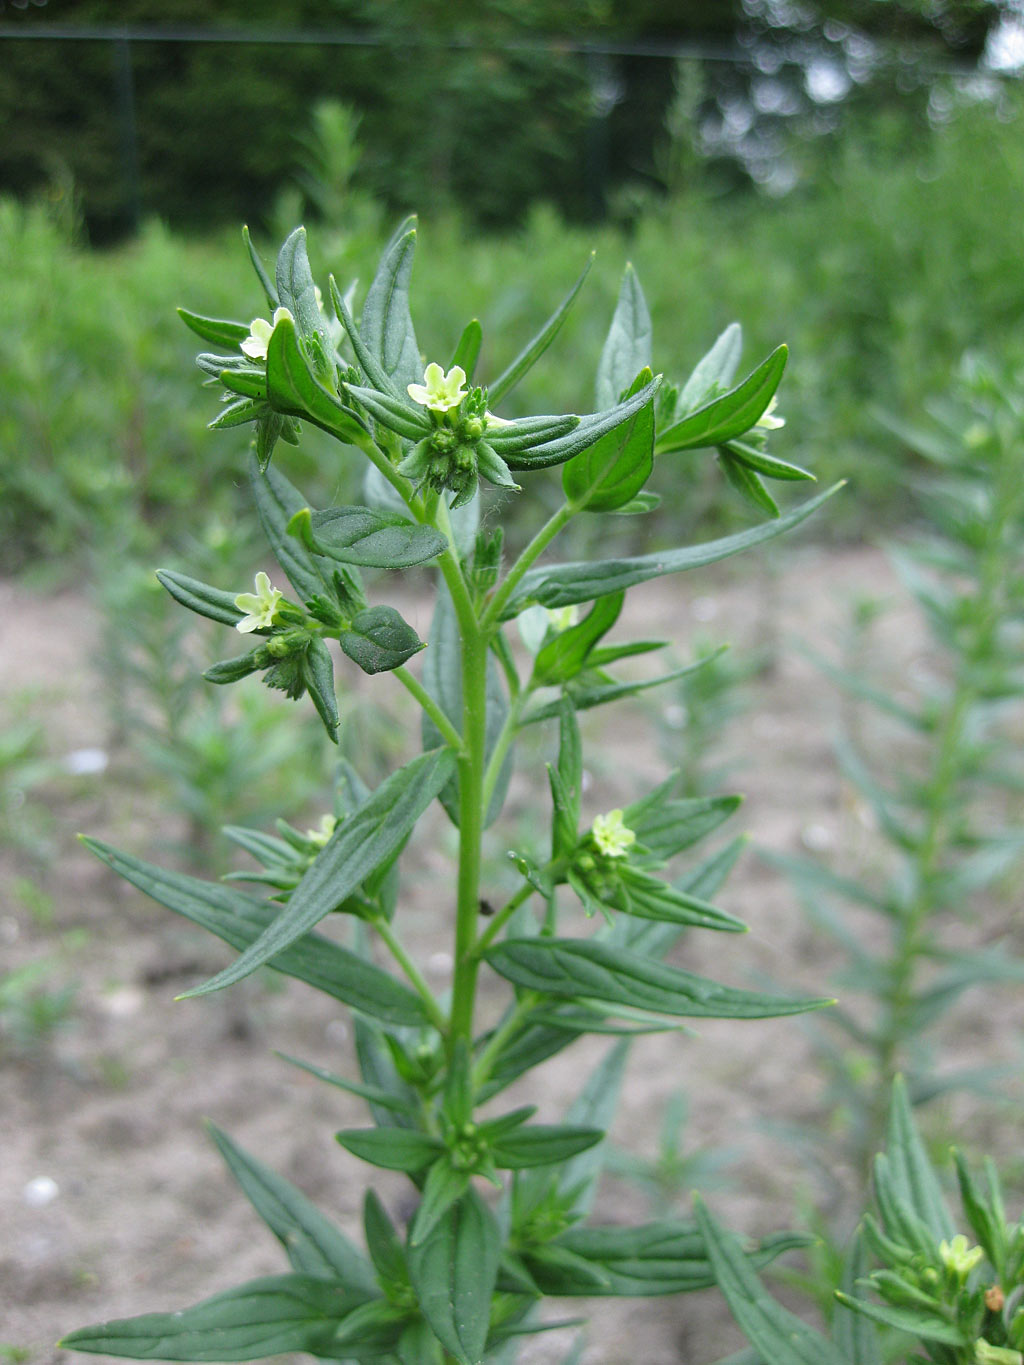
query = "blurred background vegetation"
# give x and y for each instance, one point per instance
(846, 177)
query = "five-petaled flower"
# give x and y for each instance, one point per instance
(260, 331)
(768, 421)
(612, 837)
(958, 1256)
(260, 606)
(439, 391)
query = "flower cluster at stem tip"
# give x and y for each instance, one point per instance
(454, 455)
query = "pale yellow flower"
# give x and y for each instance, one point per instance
(260, 605)
(260, 331)
(439, 391)
(768, 420)
(611, 836)
(958, 1257)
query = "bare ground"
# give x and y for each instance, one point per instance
(140, 1214)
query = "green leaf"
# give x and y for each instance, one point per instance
(730, 414)
(386, 323)
(293, 388)
(665, 827)
(627, 347)
(217, 331)
(467, 353)
(380, 640)
(587, 432)
(382, 1242)
(542, 1145)
(241, 920)
(399, 415)
(358, 846)
(594, 1107)
(746, 483)
(297, 292)
(663, 1257)
(566, 655)
(534, 349)
(771, 1329)
(277, 502)
(441, 1189)
(586, 694)
(201, 598)
(368, 362)
(648, 897)
(855, 1339)
(612, 472)
(928, 1326)
(318, 677)
(908, 1172)
(374, 538)
(714, 370)
(563, 585)
(373, 1094)
(269, 288)
(453, 1272)
(314, 1245)
(393, 1149)
(762, 463)
(263, 1317)
(593, 970)
(249, 382)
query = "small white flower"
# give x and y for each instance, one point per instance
(323, 831)
(260, 605)
(767, 420)
(561, 618)
(260, 331)
(439, 391)
(958, 1257)
(611, 836)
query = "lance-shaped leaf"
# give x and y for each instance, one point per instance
(386, 323)
(359, 845)
(467, 352)
(525, 432)
(453, 1271)
(393, 1149)
(907, 1172)
(746, 482)
(397, 414)
(648, 897)
(627, 347)
(766, 464)
(853, 1335)
(199, 597)
(563, 585)
(261, 1318)
(586, 694)
(588, 969)
(588, 431)
(610, 473)
(930, 1326)
(773, 1331)
(314, 1245)
(269, 288)
(542, 1144)
(364, 535)
(293, 388)
(714, 370)
(217, 331)
(297, 291)
(379, 640)
(241, 920)
(534, 349)
(664, 1257)
(277, 502)
(665, 826)
(368, 362)
(729, 415)
(566, 655)
(318, 677)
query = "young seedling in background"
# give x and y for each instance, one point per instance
(503, 1203)
(942, 794)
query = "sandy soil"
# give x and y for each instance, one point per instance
(140, 1214)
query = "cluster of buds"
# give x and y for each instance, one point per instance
(455, 454)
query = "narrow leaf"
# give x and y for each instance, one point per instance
(358, 846)
(453, 1272)
(729, 415)
(627, 348)
(534, 349)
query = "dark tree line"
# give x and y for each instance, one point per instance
(489, 105)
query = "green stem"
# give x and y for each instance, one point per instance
(502, 745)
(555, 523)
(413, 685)
(407, 965)
(502, 917)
